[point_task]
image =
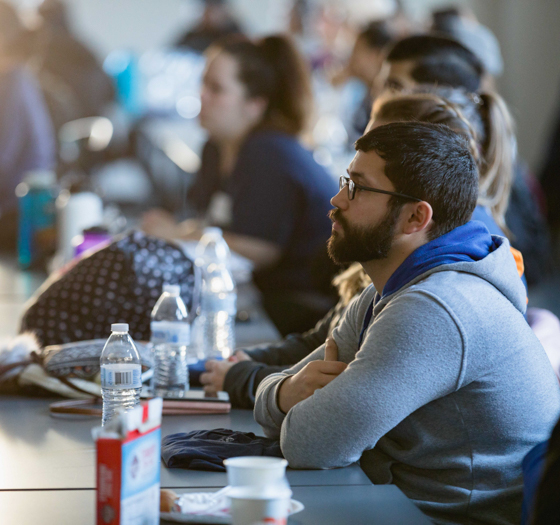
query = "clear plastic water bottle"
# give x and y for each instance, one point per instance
(171, 337)
(121, 381)
(212, 248)
(217, 312)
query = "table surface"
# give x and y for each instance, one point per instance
(336, 505)
(39, 451)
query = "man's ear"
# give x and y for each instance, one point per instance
(418, 217)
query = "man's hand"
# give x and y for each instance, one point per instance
(240, 355)
(213, 378)
(312, 376)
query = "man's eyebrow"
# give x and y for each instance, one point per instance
(355, 174)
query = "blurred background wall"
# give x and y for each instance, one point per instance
(527, 31)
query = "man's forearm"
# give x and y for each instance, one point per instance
(267, 413)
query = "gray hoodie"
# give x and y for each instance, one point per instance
(449, 391)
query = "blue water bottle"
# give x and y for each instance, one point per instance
(37, 218)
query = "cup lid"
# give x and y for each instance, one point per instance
(255, 462)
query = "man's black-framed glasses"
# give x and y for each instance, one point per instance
(352, 186)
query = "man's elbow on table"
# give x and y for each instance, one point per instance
(318, 455)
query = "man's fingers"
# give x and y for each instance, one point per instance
(210, 365)
(205, 378)
(331, 350)
(242, 356)
(209, 390)
(325, 379)
(328, 367)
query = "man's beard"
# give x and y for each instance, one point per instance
(362, 244)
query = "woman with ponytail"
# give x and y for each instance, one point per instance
(256, 181)
(486, 122)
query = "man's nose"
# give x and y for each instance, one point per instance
(340, 200)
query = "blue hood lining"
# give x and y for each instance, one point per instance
(468, 243)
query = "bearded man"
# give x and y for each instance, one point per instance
(433, 380)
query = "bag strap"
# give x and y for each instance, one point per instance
(91, 407)
(81, 407)
(4, 369)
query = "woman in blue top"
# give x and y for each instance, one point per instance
(257, 181)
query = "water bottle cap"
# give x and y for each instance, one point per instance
(40, 178)
(119, 327)
(172, 289)
(213, 230)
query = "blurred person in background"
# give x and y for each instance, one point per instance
(492, 133)
(27, 140)
(462, 25)
(550, 176)
(258, 182)
(455, 108)
(63, 56)
(433, 59)
(364, 64)
(71, 77)
(216, 22)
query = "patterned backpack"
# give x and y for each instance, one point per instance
(118, 283)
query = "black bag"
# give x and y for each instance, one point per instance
(118, 283)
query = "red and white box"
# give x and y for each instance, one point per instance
(128, 467)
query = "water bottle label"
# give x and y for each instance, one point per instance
(170, 332)
(121, 376)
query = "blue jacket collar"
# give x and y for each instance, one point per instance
(468, 243)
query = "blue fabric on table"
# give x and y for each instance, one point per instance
(207, 449)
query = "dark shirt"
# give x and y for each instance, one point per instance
(279, 194)
(530, 234)
(201, 37)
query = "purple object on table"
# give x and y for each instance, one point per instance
(91, 238)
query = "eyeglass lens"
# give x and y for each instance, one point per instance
(349, 183)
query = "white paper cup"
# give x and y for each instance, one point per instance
(249, 511)
(256, 471)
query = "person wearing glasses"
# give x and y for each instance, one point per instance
(241, 375)
(433, 379)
